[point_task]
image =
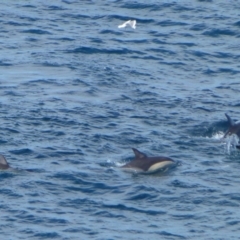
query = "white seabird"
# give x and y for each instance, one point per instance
(131, 23)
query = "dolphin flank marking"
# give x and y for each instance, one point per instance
(160, 165)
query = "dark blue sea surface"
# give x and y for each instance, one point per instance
(77, 93)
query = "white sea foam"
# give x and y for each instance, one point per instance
(218, 136)
(119, 164)
(131, 23)
(231, 142)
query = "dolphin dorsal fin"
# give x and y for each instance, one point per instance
(3, 161)
(139, 154)
(231, 122)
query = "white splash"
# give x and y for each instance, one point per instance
(131, 23)
(115, 163)
(218, 136)
(231, 143)
(119, 164)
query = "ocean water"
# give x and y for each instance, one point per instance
(77, 93)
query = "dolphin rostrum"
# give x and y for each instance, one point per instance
(143, 163)
(3, 163)
(234, 127)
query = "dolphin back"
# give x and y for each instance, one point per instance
(234, 127)
(230, 121)
(3, 162)
(139, 154)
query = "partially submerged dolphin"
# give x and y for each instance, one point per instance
(234, 127)
(143, 163)
(3, 162)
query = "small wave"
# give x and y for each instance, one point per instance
(36, 31)
(91, 50)
(167, 23)
(4, 64)
(23, 151)
(168, 234)
(219, 32)
(124, 207)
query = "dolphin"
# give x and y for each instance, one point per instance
(143, 163)
(3, 163)
(234, 127)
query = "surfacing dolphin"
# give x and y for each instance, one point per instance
(143, 163)
(234, 127)
(3, 163)
(4, 166)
